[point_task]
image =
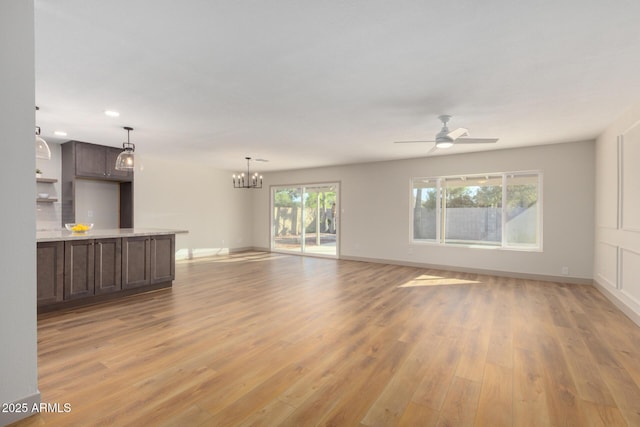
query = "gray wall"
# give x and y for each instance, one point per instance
(375, 220)
(18, 338)
(183, 191)
(98, 203)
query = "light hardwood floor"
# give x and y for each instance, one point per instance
(269, 339)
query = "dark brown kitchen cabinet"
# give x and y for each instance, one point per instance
(50, 272)
(163, 259)
(79, 269)
(98, 161)
(90, 160)
(92, 267)
(148, 260)
(136, 261)
(85, 161)
(108, 265)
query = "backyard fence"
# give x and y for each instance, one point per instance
(288, 220)
(478, 224)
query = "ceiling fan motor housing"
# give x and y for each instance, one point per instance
(443, 135)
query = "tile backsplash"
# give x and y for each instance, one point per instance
(49, 215)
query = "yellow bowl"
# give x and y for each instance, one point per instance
(78, 228)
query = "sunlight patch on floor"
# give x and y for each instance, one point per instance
(427, 280)
(232, 258)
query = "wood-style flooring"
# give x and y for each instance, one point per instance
(269, 339)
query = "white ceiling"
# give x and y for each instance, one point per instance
(307, 83)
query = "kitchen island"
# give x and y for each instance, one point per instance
(77, 269)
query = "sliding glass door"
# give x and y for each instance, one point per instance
(287, 219)
(320, 218)
(305, 219)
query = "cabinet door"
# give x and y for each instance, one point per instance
(163, 258)
(78, 269)
(90, 160)
(111, 156)
(136, 261)
(50, 272)
(108, 265)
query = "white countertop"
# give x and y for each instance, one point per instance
(57, 235)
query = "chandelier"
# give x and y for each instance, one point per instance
(241, 180)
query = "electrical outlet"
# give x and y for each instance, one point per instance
(565, 271)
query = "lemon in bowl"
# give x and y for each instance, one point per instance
(78, 228)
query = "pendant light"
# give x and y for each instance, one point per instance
(42, 148)
(124, 162)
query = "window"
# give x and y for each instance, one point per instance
(473, 210)
(522, 216)
(492, 210)
(426, 205)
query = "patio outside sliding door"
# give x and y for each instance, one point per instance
(305, 219)
(287, 219)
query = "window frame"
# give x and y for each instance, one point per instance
(441, 212)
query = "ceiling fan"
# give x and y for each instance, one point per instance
(446, 138)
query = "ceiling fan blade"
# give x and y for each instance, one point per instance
(457, 133)
(410, 142)
(475, 140)
(261, 160)
(434, 148)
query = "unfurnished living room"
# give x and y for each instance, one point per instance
(281, 213)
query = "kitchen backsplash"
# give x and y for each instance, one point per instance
(49, 215)
(97, 202)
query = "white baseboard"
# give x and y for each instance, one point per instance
(258, 249)
(247, 249)
(513, 274)
(187, 254)
(611, 296)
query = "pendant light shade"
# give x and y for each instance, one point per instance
(42, 148)
(125, 160)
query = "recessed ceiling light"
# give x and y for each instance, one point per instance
(112, 113)
(60, 133)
